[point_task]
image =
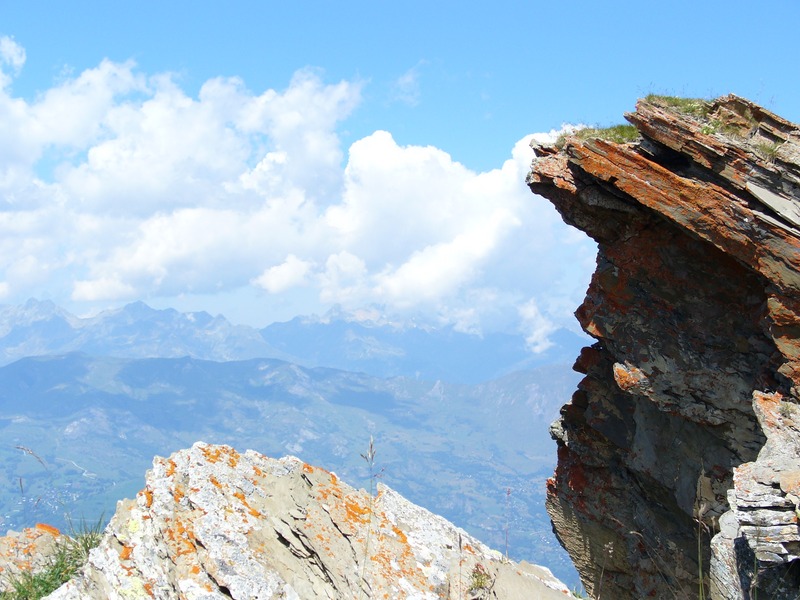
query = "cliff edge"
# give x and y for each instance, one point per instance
(215, 523)
(679, 455)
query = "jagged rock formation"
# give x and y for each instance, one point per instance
(686, 425)
(214, 523)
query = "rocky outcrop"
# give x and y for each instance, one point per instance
(214, 523)
(29, 550)
(679, 455)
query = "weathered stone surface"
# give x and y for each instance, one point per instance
(26, 550)
(214, 523)
(679, 431)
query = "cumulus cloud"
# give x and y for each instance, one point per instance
(290, 273)
(443, 268)
(117, 185)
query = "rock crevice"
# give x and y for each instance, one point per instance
(682, 413)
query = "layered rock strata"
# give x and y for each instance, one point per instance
(679, 455)
(214, 523)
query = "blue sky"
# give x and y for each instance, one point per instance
(266, 159)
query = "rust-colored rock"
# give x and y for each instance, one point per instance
(684, 426)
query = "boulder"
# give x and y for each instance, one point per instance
(215, 523)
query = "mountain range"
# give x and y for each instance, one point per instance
(339, 340)
(83, 414)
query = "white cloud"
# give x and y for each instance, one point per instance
(151, 192)
(406, 88)
(290, 273)
(551, 136)
(418, 195)
(106, 288)
(536, 326)
(344, 280)
(11, 54)
(443, 268)
(80, 110)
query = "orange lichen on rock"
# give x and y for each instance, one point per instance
(177, 493)
(253, 512)
(392, 562)
(214, 454)
(316, 534)
(628, 377)
(355, 511)
(400, 534)
(183, 536)
(48, 528)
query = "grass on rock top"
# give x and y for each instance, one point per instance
(619, 134)
(697, 107)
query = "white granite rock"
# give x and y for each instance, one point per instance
(214, 523)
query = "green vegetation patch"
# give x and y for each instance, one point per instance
(731, 122)
(68, 558)
(481, 580)
(619, 134)
(697, 107)
(768, 150)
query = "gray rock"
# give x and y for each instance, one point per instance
(214, 523)
(27, 550)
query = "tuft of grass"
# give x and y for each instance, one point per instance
(697, 107)
(786, 409)
(481, 580)
(369, 458)
(618, 134)
(768, 150)
(737, 123)
(69, 557)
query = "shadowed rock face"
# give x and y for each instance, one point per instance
(214, 523)
(685, 426)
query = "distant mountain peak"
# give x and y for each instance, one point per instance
(366, 340)
(369, 316)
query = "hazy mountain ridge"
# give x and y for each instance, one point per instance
(386, 349)
(352, 342)
(133, 331)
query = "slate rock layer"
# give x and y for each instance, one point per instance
(679, 455)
